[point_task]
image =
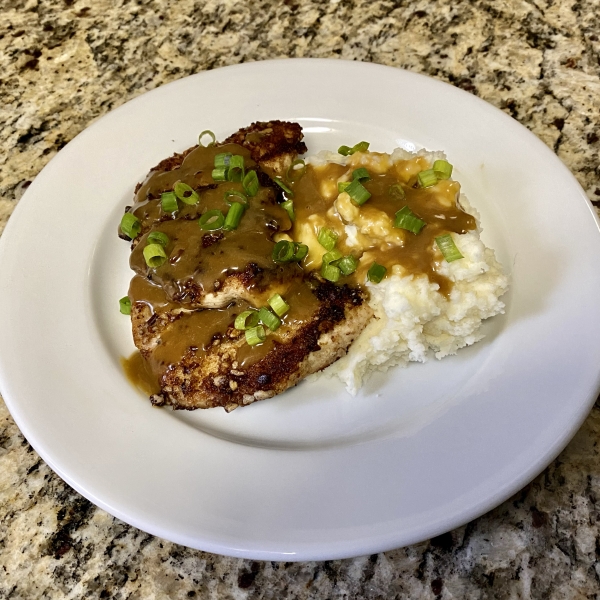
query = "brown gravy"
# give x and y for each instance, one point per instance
(437, 206)
(200, 262)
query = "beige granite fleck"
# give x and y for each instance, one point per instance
(64, 64)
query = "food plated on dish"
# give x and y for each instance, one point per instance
(254, 268)
(420, 450)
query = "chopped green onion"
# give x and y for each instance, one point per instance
(232, 196)
(255, 335)
(209, 133)
(125, 305)
(272, 321)
(376, 273)
(283, 186)
(168, 202)
(360, 147)
(397, 191)
(358, 193)
(222, 160)
(278, 304)
(292, 169)
(211, 219)
(343, 186)
(154, 255)
(283, 251)
(158, 237)
(250, 183)
(220, 174)
(186, 193)
(300, 251)
(448, 248)
(236, 168)
(327, 238)
(330, 272)
(130, 225)
(406, 219)
(288, 206)
(427, 178)
(442, 169)
(348, 265)
(246, 320)
(234, 216)
(332, 256)
(361, 174)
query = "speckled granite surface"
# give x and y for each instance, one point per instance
(65, 63)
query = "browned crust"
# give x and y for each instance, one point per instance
(269, 140)
(215, 379)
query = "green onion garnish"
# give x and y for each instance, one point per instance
(130, 225)
(222, 160)
(154, 255)
(219, 173)
(158, 237)
(327, 238)
(397, 192)
(348, 265)
(246, 320)
(278, 304)
(125, 305)
(269, 319)
(209, 133)
(360, 147)
(168, 202)
(250, 183)
(332, 256)
(357, 192)
(330, 272)
(343, 186)
(236, 168)
(291, 169)
(448, 248)
(255, 335)
(361, 174)
(376, 273)
(283, 251)
(442, 169)
(186, 193)
(406, 219)
(283, 186)
(232, 196)
(212, 219)
(234, 216)
(300, 251)
(288, 206)
(427, 178)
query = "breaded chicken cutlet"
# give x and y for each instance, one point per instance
(222, 311)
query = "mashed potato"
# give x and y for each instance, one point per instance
(413, 321)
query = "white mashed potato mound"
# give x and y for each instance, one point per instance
(413, 321)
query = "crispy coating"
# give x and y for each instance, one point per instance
(273, 144)
(215, 378)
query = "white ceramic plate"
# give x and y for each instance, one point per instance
(315, 473)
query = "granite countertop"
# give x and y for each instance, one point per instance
(66, 63)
